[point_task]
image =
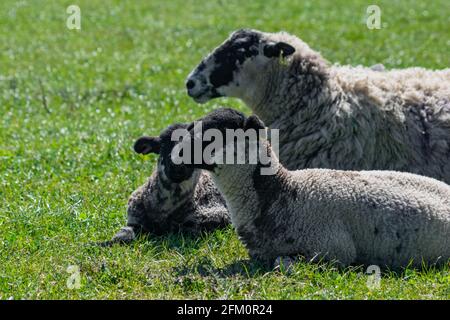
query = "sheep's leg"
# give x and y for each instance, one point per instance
(126, 235)
(214, 218)
(338, 246)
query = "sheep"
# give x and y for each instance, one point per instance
(385, 218)
(184, 200)
(331, 116)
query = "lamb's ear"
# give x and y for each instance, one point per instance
(253, 122)
(146, 145)
(275, 49)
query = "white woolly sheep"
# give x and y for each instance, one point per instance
(330, 116)
(184, 200)
(385, 218)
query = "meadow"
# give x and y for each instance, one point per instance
(72, 102)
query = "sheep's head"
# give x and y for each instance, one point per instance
(223, 136)
(163, 146)
(234, 64)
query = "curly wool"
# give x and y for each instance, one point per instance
(161, 206)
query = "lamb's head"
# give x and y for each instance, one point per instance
(235, 64)
(163, 146)
(224, 136)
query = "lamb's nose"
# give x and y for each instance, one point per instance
(190, 84)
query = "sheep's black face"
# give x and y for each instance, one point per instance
(221, 120)
(175, 172)
(163, 146)
(220, 73)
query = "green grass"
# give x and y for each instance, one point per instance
(67, 167)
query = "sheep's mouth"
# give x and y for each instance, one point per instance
(200, 97)
(205, 95)
(203, 99)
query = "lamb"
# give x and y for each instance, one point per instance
(184, 199)
(384, 218)
(331, 116)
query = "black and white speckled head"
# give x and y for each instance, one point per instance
(239, 59)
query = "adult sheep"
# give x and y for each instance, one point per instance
(331, 116)
(390, 219)
(177, 199)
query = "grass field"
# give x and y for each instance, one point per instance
(73, 101)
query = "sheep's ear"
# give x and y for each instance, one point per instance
(253, 122)
(274, 50)
(146, 145)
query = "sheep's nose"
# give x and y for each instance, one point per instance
(190, 84)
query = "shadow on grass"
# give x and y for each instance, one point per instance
(181, 241)
(204, 268)
(185, 244)
(250, 268)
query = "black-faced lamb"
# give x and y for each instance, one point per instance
(177, 199)
(331, 116)
(384, 218)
